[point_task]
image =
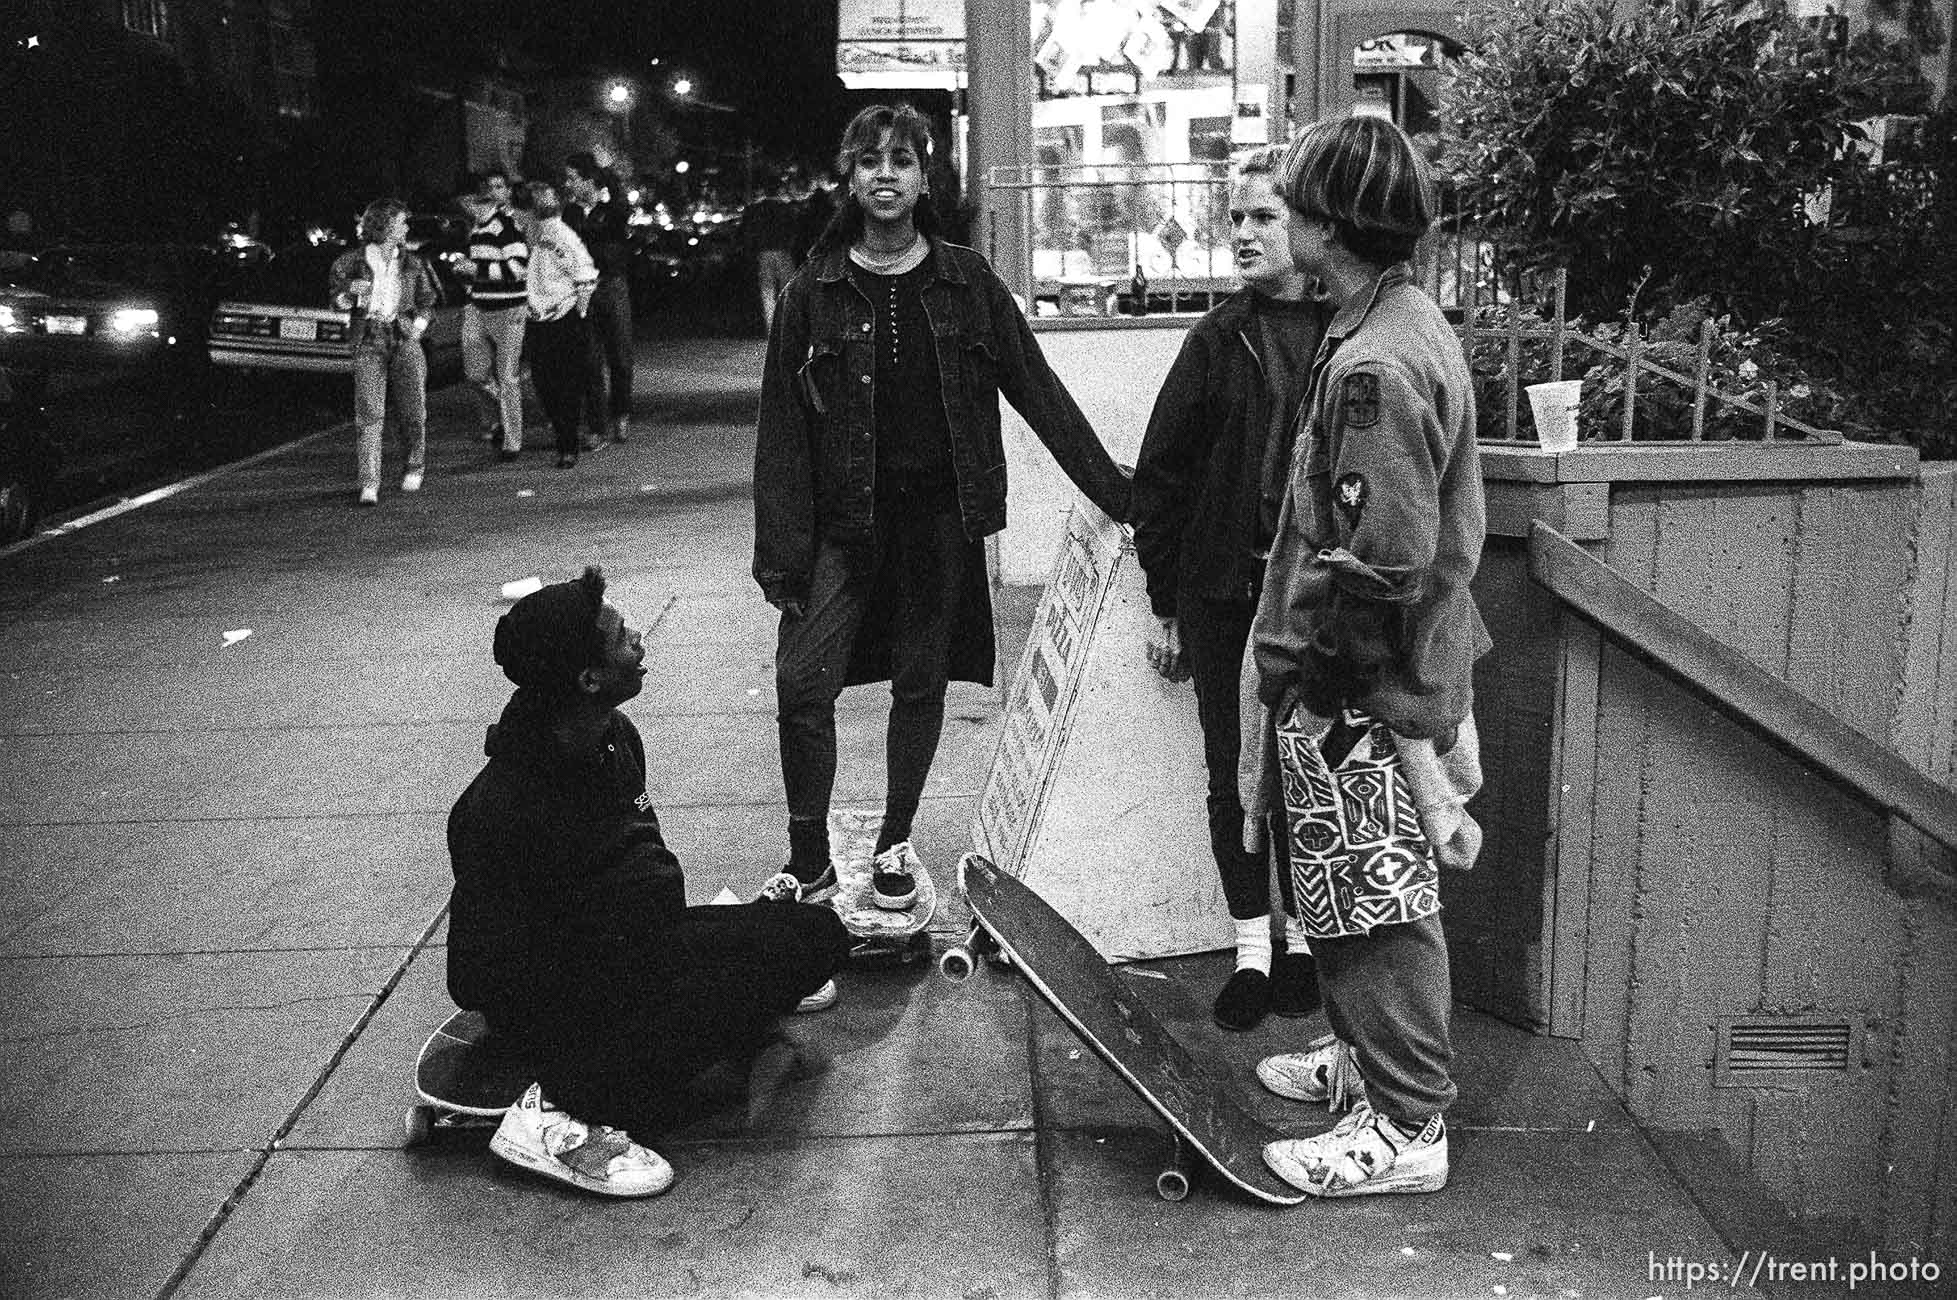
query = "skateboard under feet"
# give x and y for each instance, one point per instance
(467, 1082)
(883, 937)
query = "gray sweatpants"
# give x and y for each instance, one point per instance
(1387, 994)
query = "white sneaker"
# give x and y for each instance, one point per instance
(1325, 1071)
(1365, 1154)
(544, 1140)
(411, 481)
(893, 877)
(820, 1000)
(370, 496)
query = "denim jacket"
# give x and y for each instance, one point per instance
(815, 446)
(419, 293)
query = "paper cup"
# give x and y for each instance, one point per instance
(521, 587)
(1555, 406)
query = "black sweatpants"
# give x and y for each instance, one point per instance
(559, 362)
(711, 987)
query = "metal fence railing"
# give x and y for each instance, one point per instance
(1154, 239)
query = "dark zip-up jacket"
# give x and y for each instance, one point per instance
(559, 864)
(1199, 479)
(815, 446)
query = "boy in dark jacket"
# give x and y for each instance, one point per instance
(569, 927)
(1208, 484)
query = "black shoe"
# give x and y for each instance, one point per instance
(812, 878)
(568, 460)
(505, 456)
(1294, 985)
(1246, 996)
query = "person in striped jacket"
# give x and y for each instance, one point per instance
(493, 319)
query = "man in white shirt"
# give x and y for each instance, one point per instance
(561, 279)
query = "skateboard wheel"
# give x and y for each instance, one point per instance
(956, 964)
(1172, 1185)
(417, 1124)
(1179, 1175)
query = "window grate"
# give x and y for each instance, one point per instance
(1767, 1051)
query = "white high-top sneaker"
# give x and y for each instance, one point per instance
(543, 1139)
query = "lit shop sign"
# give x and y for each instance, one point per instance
(900, 44)
(1396, 50)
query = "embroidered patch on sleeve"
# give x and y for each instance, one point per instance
(1360, 396)
(1349, 495)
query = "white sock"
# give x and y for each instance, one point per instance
(1296, 941)
(1254, 943)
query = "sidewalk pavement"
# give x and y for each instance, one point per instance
(221, 926)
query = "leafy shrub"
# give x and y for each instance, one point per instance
(1681, 135)
(1679, 158)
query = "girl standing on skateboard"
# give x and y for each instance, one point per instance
(1208, 484)
(879, 470)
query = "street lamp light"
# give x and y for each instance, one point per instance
(683, 87)
(620, 94)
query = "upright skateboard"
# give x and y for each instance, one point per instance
(1201, 1104)
(466, 1081)
(882, 937)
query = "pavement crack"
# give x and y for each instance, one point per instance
(55, 1035)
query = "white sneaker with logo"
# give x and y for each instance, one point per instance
(411, 481)
(543, 1139)
(1325, 1071)
(1365, 1154)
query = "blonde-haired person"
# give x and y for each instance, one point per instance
(559, 281)
(1208, 483)
(389, 293)
(879, 470)
(1365, 640)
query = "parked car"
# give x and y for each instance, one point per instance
(29, 458)
(108, 307)
(281, 317)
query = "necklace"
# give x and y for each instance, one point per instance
(873, 262)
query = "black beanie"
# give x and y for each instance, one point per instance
(550, 636)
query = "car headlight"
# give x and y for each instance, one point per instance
(133, 320)
(8, 321)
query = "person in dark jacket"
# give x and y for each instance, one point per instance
(568, 925)
(1208, 484)
(596, 211)
(879, 470)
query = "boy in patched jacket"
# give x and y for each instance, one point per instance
(1363, 647)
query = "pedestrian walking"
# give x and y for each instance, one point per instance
(879, 470)
(768, 227)
(558, 285)
(569, 928)
(595, 208)
(1364, 646)
(1208, 484)
(493, 318)
(388, 292)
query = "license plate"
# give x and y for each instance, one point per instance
(67, 324)
(299, 329)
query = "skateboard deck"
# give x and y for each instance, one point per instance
(881, 935)
(465, 1080)
(1202, 1104)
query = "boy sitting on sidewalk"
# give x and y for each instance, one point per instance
(569, 928)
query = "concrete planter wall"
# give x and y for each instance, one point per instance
(1741, 944)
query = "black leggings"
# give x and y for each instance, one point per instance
(559, 363)
(1214, 633)
(920, 562)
